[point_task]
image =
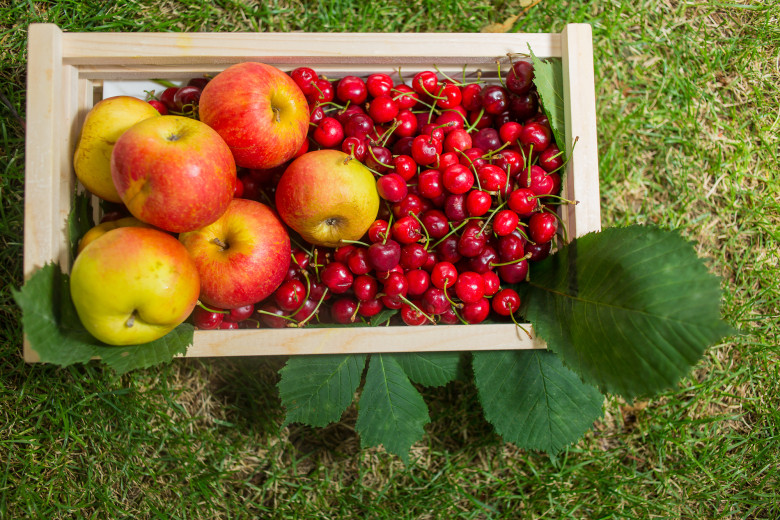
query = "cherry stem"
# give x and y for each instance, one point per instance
(454, 305)
(473, 127)
(209, 309)
(353, 242)
(460, 84)
(377, 160)
(387, 134)
(560, 221)
(415, 307)
(387, 233)
(473, 167)
(308, 291)
(288, 318)
(492, 214)
(322, 298)
(565, 201)
(453, 230)
(524, 257)
(512, 316)
(500, 79)
(427, 236)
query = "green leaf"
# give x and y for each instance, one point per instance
(548, 78)
(532, 400)
(80, 220)
(430, 368)
(316, 390)
(56, 334)
(629, 309)
(382, 316)
(391, 412)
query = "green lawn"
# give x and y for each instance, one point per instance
(688, 100)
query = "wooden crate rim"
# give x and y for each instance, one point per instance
(63, 68)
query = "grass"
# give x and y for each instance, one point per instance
(688, 99)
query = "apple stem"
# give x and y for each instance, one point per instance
(277, 113)
(220, 243)
(131, 320)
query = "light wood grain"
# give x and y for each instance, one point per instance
(66, 68)
(579, 93)
(428, 338)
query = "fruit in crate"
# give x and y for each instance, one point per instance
(242, 257)
(104, 124)
(133, 285)
(260, 112)
(104, 227)
(327, 197)
(173, 172)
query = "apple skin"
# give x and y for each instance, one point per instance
(103, 228)
(253, 263)
(133, 285)
(173, 172)
(327, 196)
(260, 112)
(105, 122)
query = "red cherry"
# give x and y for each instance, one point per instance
(344, 310)
(372, 307)
(379, 84)
(444, 275)
(514, 273)
(355, 146)
(494, 99)
(506, 302)
(435, 222)
(537, 135)
(429, 184)
(377, 231)
(551, 159)
(358, 262)
(206, 320)
(185, 98)
(352, 89)
(305, 78)
(395, 285)
(406, 230)
(405, 96)
(457, 140)
(323, 92)
(522, 201)
(383, 109)
(407, 124)
(413, 256)
(329, 133)
(412, 316)
(405, 166)
(159, 106)
(510, 132)
(272, 316)
(470, 96)
(337, 277)
(470, 287)
(240, 313)
(472, 240)
(520, 77)
(410, 204)
(451, 120)
(449, 96)
(425, 149)
(419, 280)
(228, 325)
(505, 222)
(542, 227)
(384, 256)
(476, 312)
(365, 287)
(511, 247)
(425, 82)
(392, 187)
(457, 179)
(435, 301)
(492, 282)
(290, 295)
(478, 203)
(166, 98)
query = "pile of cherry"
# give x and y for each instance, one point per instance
(469, 175)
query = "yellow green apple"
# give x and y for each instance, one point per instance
(104, 227)
(260, 112)
(327, 197)
(103, 125)
(133, 285)
(242, 257)
(173, 172)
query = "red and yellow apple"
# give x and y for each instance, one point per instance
(242, 257)
(173, 172)
(260, 112)
(104, 124)
(133, 285)
(327, 197)
(104, 227)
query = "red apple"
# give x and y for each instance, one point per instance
(242, 257)
(260, 112)
(173, 172)
(327, 196)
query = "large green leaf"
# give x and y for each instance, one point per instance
(548, 78)
(56, 334)
(316, 390)
(629, 309)
(430, 368)
(391, 412)
(532, 400)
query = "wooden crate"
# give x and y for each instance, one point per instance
(66, 72)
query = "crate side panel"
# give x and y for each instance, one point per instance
(354, 340)
(582, 177)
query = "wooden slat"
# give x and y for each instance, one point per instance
(195, 48)
(427, 338)
(579, 92)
